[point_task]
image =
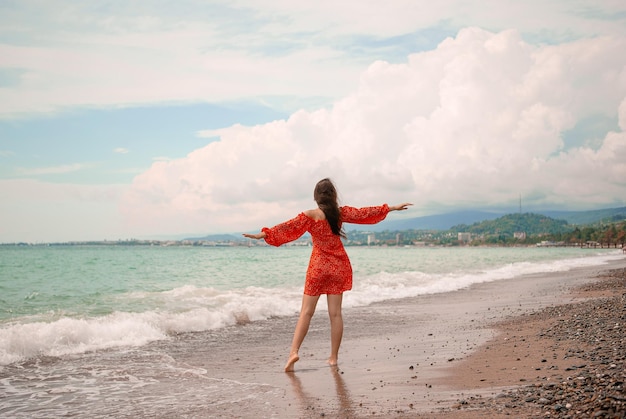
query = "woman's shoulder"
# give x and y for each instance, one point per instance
(315, 214)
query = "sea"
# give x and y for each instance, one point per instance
(76, 321)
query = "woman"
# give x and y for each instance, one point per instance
(329, 270)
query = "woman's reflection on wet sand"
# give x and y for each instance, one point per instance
(322, 404)
(343, 395)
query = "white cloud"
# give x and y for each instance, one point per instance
(476, 122)
(556, 19)
(121, 150)
(178, 62)
(78, 55)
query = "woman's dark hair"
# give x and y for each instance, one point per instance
(325, 195)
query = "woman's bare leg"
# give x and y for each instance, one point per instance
(302, 327)
(336, 326)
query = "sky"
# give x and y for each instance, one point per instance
(158, 119)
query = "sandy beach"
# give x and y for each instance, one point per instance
(470, 353)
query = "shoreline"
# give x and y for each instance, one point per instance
(397, 357)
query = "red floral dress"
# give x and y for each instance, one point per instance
(329, 271)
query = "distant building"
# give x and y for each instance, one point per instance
(399, 238)
(520, 235)
(464, 237)
(371, 238)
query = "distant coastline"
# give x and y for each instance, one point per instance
(600, 228)
(299, 243)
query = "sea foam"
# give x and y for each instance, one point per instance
(184, 309)
(385, 286)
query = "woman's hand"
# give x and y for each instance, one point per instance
(257, 236)
(400, 207)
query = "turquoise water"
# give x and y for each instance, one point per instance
(89, 280)
(80, 298)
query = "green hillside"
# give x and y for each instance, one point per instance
(531, 224)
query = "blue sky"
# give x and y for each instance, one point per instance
(159, 119)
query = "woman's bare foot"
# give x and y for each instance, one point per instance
(293, 358)
(332, 362)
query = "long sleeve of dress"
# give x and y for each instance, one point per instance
(287, 231)
(365, 215)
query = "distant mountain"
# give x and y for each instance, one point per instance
(469, 217)
(430, 222)
(588, 217)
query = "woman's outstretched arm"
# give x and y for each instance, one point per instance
(257, 236)
(400, 207)
(284, 232)
(369, 215)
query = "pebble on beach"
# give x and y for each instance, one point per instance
(594, 331)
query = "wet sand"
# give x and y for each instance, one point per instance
(440, 355)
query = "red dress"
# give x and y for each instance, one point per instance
(329, 270)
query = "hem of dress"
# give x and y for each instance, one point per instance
(326, 293)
